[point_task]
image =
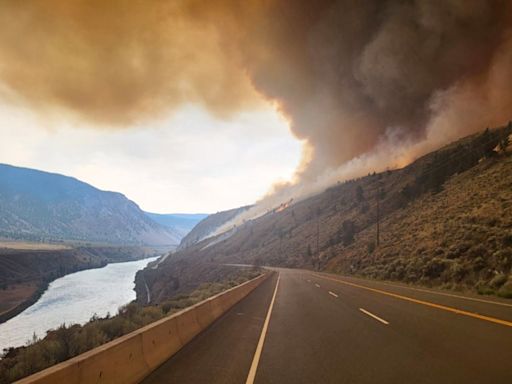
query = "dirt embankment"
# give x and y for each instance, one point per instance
(178, 276)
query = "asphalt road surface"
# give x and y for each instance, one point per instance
(306, 327)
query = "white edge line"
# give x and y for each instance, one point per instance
(257, 354)
(333, 294)
(374, 316)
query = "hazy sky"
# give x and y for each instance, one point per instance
(189, 162)
(170, 102)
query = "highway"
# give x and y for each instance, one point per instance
(306, 327)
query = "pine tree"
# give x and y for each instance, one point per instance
(359, 193)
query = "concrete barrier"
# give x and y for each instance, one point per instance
(130, 358)
(204, 314)
(188, 326)
(160, 340)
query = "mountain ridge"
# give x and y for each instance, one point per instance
(180, 223)
(209, 224)
(44, 206)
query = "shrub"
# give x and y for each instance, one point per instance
(349, 230)
(498, 281)
(459, 249)
(503, 258)
(478, 264)
(483, 289)
(434, 268)
(359, 193)
(398, 273)
(506, 289)
(457, 272)
(507, 239)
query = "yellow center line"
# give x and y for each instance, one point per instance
(432, 292)
(427, 303)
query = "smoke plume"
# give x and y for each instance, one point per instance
(116, 62)
(356, 76)
(365, 84)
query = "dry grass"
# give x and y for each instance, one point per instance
(460, 238)
(14, 295)
(24, 245)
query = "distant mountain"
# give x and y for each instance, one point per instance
(181, 223)
(42, 206)
(208, 225)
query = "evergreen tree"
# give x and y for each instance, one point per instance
(359, 193)
(349, 230)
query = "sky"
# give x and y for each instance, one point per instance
(194, 106)
(189, 161)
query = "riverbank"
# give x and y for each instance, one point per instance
(26, 274)
(23, 301)
(68, 340)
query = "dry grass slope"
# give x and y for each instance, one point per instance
(459, 238)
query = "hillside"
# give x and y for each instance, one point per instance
(208, 225)
(178, 223)
(445, 220)
(42, 206)
(185, 276)
(458, 237)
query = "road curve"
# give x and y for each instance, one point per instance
(307, 327)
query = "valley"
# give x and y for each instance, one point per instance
(52, 225)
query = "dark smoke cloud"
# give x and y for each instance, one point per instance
(364, 83)
(116, 62)
(353, 73)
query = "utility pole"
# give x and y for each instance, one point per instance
(378, 216)
(378, 219)
(318, 233)
(317, 238)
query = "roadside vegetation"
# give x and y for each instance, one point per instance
(68, 341)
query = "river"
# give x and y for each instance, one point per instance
(74, 299)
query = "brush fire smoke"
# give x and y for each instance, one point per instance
(365, 84)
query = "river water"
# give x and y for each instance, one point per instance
(74, 299)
